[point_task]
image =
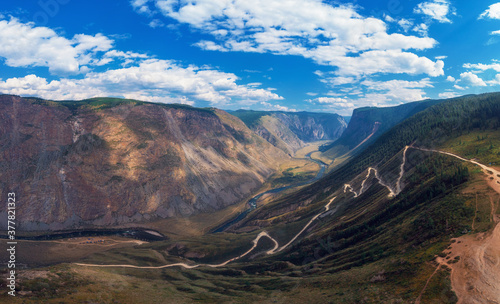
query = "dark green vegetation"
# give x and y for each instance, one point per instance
(290, 177)
(100, 103)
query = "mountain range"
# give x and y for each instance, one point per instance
(410, 217)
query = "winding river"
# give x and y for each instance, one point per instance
(252, 203)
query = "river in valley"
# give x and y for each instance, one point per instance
(252, 203)
(135, 233)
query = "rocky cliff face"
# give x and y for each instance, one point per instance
(107, 162)
(290, 131)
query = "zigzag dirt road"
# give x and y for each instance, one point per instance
(255, 242)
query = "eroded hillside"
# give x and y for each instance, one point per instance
(106, 161)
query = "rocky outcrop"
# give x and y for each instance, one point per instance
(101, 162)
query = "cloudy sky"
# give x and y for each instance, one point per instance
(296, 55)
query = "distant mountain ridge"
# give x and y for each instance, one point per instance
(290, 131)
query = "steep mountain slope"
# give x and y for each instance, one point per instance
(289, 131)
(367, 124)
(112, 161)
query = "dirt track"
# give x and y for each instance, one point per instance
(475, 278)
(255, 242)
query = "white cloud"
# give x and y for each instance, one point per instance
(459, 87)
(397, 84)
(210, 46)
(312, 94)
(493, 12)
(377, 93)
(450, 79)
(331, 100)
(156, 23)
(151, 80)
(329, 35)
(340, 106)
(447, 95)
(276, 107)
(483, 67)
(422, 29)
(389, 18)
(441, 57)
(390, 61)
(495, 32)
(472, 79)
(23, 45)
(336, 80)
(405, 24)
(125, 55)
(394, 91)
(437, 10)
(141, 6)
(254, 84)
(495, 81)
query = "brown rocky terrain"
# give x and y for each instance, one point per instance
(105, 162)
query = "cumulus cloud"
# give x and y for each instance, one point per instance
(156, 23)
(331, 100)
(483, 67)
(140, 76)
(447, 95)
(376, 93)
(338, 105)
(390, 61)
(336, 80)
(397, 91)
(422, 29)
(437, 10)
(24, 45)
(450, 79)
(151, 80)
(495, 81)
(472, 79)
(141, 6)
(493, 12)
(405, 24)
(330, 35)
(275, 107)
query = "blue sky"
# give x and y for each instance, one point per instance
(295, 55)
